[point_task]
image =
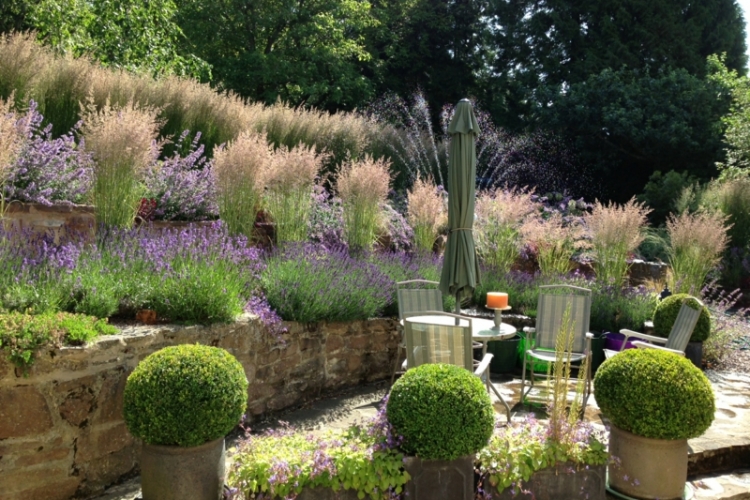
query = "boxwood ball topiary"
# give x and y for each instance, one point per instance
(442, 411)
(654, 394)
(185, 395)
(668, 309)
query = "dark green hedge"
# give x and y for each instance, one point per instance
(442, 411)
(667, 311)
(655, 394)
(185, 395)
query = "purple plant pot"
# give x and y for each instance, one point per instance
(613, 341)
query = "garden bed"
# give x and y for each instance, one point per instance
(61, 428)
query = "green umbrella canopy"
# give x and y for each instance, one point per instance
(460, 273)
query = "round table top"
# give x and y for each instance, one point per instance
(481, 329)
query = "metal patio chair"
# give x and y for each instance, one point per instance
(451, 344)
(551, 305)
(415, 297)
(678, 338)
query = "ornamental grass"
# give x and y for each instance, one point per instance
(122, 141)
(615, 231)
(696, 243)
(363, 186)
(239, 167)
(500, 215)
(426, 213)
(554, 241)
(289, 180)
(10, 144)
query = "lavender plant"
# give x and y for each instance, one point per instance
(308, 283)
(49, 170)
(183, 186)
(396, 235)
(326, 223)
(729, 324)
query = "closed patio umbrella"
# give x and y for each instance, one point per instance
(460, 274)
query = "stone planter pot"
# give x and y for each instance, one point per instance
(440, 479)
(647, 468)
(178, 473)
(564, 480)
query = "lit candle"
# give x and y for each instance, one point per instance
(497, 300)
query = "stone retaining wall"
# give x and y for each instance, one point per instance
(62, 433)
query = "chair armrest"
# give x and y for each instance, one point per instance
(529, 329)
(484, 365)
(646, 345)
(589, 335)
(642, 336)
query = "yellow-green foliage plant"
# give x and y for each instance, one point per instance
(615, 231)
(363, 186)
(239, 168)
(517, 451)
(10, 142)
(426, 213)
(696, 243)
(500, 215)
(554, 241)
(289, 179)
(122, 140)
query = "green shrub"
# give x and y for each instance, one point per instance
(667, 311)
(185, 395)
(442, 411)
(655, 394)
(22, 334)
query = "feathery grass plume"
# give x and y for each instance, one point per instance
(553, 241)
(426, 213)
(696, 242)
(11, 139)
(58, 83)
(289, 179)
(560, 421)
(615, 232)
(239, 168)
(122, 140)
(500, 215)
(363, 186)
(732, 198)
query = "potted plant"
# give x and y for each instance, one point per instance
(559, 458)
(445, 416)
(181, 401)
(666, 314)
(655, 401)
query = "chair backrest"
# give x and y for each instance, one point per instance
(439, 343)
(683, 327)
(415, 301)
(551, 306)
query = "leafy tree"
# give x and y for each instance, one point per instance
(737, 121)
(302, 51)
(13, 15)
(627, 124)
(132, 34)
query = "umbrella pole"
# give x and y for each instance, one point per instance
(458, 308)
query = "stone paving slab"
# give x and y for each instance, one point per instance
(730, 430)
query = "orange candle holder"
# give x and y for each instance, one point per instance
(497, 300)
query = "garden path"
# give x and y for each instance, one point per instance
(725, 446)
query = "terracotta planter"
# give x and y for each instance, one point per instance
(565, 480)
(178, 473)
(440, 479)
(647, 468)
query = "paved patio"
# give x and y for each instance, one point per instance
(719, 460)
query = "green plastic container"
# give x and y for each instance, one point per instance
(536, 365)
(597, 354)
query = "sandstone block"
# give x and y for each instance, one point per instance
(101, 441)
(23, 412)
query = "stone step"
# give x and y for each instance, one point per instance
(730, 486)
